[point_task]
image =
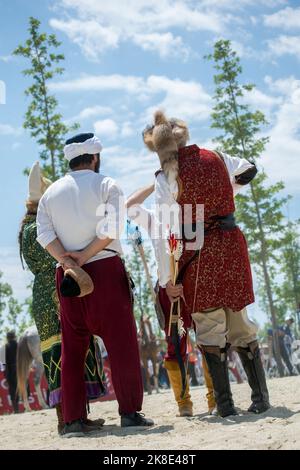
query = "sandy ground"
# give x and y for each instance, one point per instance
(278, 428)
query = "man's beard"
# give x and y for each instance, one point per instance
(97, 166)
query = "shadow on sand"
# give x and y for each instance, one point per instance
(275, 412)
(114, 430)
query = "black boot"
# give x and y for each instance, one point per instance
(15, 404)
(250, 358)
(135, 419)
(217, 365)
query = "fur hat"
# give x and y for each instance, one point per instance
(165, 137)
(76, 283)
(37, 184)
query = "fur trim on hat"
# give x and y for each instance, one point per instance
(165, 137)
(165, 145)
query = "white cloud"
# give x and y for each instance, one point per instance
(6, 58)
(90, 112)
(165, 44)
(233, 5)
(285, 45)
(127, 129)
(283, 86)
(282, 156)
(97, 25)
(2, 92)
(90, 36)
(134, 169)
(127, 83)
(7, 129)
(260, 100)
(286, 19)
(106, 128)
(185, 99)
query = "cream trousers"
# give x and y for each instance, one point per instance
(223, 325)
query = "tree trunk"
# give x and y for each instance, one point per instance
(46, 112)
(296, 296)
(268, 285)
(262, 242)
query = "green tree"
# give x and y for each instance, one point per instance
(260, 209)
(5, 294)
(42, 117)
(288, 292)
(13, 314)
(143, 304)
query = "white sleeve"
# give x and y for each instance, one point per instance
(112, 212)
(235, 166)
(142, 217)
(167, 216)
(164, 192)
(163, 261)
(146, 219)
(45, 230)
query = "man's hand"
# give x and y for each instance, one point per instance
(77, 257)
(174, 292)
(67, 262)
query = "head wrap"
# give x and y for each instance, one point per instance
(82, 144)
(37, 183)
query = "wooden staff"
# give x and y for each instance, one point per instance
(175, 247)
(138, 241)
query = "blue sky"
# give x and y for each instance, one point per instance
(126, 58)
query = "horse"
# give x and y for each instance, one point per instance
(149, 351)
(29, 350)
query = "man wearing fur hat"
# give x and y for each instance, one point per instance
(217, 282)
(73, 211)
(146, 219)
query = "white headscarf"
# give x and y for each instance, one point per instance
(90, 146)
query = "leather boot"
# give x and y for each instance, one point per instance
(217, 366)
(60, 419)
(250, 358)
(211, 402)
(185, 404)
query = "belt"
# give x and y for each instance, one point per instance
(222, 222)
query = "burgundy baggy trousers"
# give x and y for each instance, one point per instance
(106, 312)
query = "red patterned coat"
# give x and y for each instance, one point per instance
(224, 276)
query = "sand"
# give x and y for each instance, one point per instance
(278, 428)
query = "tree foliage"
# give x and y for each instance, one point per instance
(259, 210)
(13, 314)
(42, 117)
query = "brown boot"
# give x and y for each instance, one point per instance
(185, 404)
(60, 419)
